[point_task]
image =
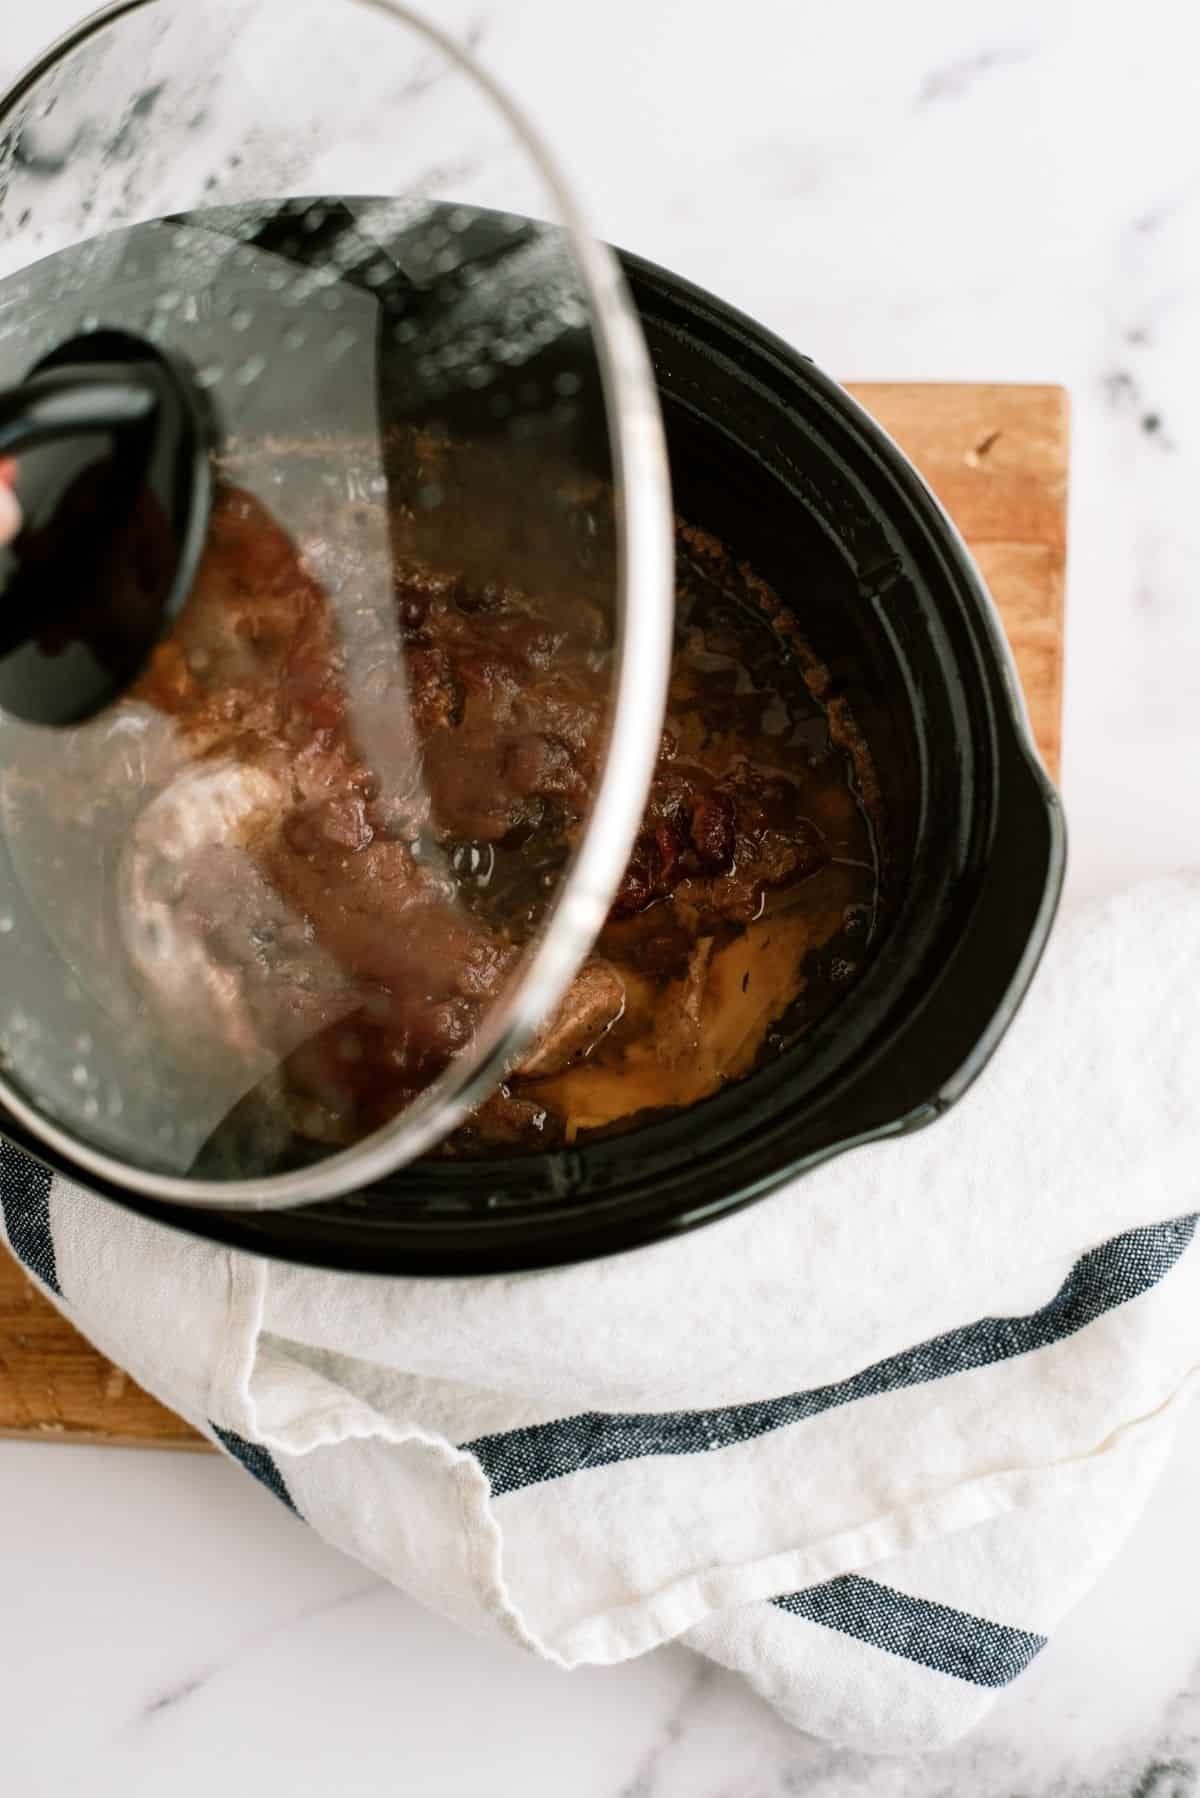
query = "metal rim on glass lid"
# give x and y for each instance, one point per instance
(324, 869)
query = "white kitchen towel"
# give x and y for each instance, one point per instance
(865, 1442)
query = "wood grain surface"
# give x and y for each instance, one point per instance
(997, 459)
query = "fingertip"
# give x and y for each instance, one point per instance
(10, 513)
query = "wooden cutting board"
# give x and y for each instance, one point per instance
(997, 459)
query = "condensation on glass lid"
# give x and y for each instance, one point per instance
(413, 359)
(174, 105)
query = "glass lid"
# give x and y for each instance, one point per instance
(334, 645)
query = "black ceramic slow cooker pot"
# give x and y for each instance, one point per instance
(780, 463)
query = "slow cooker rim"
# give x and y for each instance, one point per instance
(565, 1229)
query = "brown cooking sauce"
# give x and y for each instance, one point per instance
(372, 921)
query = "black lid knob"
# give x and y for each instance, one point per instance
(113, 437)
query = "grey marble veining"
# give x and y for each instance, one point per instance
(954, 80)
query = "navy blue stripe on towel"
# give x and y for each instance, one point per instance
(25, 1201)
(949, 1641)
(258, 1461)
(1101, 1280)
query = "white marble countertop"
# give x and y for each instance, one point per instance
(935, 190)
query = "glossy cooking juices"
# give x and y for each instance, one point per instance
(350, 858)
